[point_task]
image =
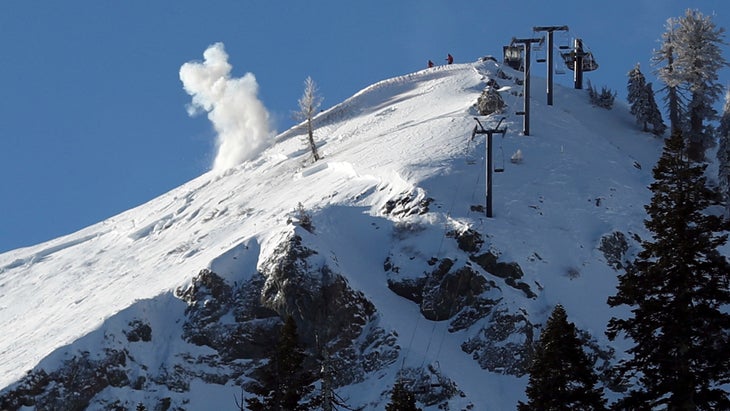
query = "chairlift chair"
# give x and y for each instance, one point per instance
(541, 57)
(512, 56)
(565, 41)
(588, 61)
(500, 168)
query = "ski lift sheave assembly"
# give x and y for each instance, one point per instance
(479, 129)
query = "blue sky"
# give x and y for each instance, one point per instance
(93, 118)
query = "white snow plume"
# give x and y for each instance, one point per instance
(238, 116)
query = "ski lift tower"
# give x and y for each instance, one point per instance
(549, 30)
(526, 83)
(479, 129)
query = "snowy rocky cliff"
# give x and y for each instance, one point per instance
(380, 251)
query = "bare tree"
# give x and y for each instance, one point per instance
(308, 106)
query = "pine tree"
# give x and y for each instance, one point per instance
(604, 99)
(309, 104)
(655, 116)
(663, 60)
(643, 104)
(692, 52)
(723, 152)
(401, 399)
(283, 383)
(637, 96)
(678, 291)
(561, 374)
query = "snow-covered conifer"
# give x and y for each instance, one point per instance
(691, 59)
(643, 104)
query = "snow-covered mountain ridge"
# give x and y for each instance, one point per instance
(396, 189)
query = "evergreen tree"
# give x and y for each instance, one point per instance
(561, 374)
(401, 399)
(663, 59)
(643, 104)
(678, 292)
(655, 116)
(692, 51)
(604, 99)
(283, 383)
(723, 152)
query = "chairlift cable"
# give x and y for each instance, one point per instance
(440, 247)
(438, 252)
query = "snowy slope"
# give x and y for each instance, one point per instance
(584, 175)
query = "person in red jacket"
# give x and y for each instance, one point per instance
(449, 59)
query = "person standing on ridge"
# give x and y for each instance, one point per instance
(430, 64)
(449, 59)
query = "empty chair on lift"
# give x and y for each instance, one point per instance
(513, 57)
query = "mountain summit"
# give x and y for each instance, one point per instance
(381, 252)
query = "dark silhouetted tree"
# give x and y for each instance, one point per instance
(401, 399)
(723, 152)
(561, 374)
(677, 290)
(283, 383)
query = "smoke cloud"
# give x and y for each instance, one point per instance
(238, 116)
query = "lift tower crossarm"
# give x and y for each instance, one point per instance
(550, 28)
(549, 61)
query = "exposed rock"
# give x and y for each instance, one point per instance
(428, 385)
(407, 205)
(329, 314)
(477, 310)
(139, 331)
(614, 247)
(446, 293)
(504, 345)
(409, 288)
(490, 101)
(72, 386)
(511, 272)
(209, 298)
(469, 240)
